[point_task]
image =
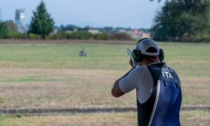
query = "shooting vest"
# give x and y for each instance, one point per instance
(163, 106)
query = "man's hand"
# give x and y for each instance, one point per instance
(131, 62)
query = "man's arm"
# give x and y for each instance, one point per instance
(116, 91)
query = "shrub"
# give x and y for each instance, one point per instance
(121, 36)
(102, 36)
(33, 36)
(16, 35)
(80, 35)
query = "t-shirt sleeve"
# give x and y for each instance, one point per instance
(132, 80)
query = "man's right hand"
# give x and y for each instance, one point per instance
(134, 64)
(131, 63)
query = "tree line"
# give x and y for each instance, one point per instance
(178, 20)
(183, 20)
(9, 30)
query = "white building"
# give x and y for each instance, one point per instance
(20, 17)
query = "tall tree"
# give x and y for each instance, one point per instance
(3, 29)
(41, 23)
(183, 20)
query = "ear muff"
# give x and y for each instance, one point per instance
(161, 55)
(136, 54)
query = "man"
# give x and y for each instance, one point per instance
(157, 87)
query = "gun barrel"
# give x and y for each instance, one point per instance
(130, 54)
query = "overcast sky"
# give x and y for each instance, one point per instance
(95, 13)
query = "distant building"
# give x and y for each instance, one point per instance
(134, 33)
(20, 17)
(70, 28)
(140, 34)
(119, 30)
(90, 30)
(94, 31)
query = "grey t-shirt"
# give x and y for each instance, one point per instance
(140, 79)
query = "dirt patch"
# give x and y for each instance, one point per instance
(47, 112)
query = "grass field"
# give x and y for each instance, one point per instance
(188, 118)
(54, 76)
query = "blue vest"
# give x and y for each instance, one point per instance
(163, 106)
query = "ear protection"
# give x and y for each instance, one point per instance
(161, 54)
(137, 55)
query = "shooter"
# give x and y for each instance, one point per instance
(158, 88)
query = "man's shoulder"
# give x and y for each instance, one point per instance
(140, 68)
(161, 65)
(162, 71)
(157, 66)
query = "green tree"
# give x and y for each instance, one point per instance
(3, 30)
(12, 27)
(41, 23)
(182, 20)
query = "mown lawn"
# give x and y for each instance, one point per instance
(54, 76)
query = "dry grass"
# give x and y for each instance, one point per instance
(105, 119)
(195, 118)
(188, 118)
(61, 88)
(55, 88)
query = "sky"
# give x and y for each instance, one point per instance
(94, 13)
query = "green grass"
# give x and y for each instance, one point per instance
(54, 76)
(99, 56)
